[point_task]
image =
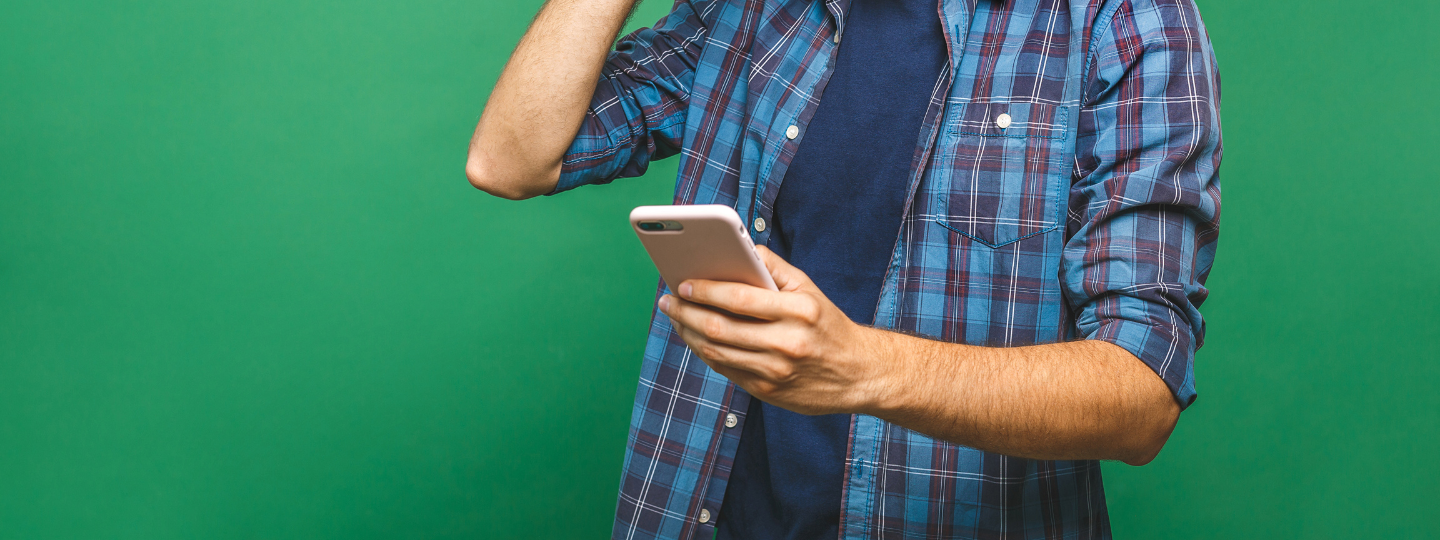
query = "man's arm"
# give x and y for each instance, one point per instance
(540, 100)
(1078, 400)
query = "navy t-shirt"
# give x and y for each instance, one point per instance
(837, 217)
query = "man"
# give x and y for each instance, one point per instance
(991, 222)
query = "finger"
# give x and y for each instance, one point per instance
(734, 362)
(787, 277)
(737, 298)
(759, 387)
(715, 326)
(754, 384)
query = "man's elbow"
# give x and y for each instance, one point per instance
(504, 184)
(485, 178)
(1147, 442)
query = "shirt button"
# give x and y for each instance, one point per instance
(759, 224)
(704, 515)
(792, 132)
(1003, 121)
(731, 420)
(837, 36)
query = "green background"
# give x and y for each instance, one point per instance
(246, 292)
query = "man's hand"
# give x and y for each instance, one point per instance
(797, 350)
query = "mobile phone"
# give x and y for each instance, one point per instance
(702, 241)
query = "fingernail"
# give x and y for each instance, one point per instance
(685, 289)
(665, 303)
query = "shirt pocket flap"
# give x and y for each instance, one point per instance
(1016, 119)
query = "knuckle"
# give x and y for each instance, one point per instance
(763, 390)
(713, 327)
(784, 374)
(808, 310)
(708, 352)
(795, 349)
(800, 349)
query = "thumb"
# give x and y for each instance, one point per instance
(787, 277)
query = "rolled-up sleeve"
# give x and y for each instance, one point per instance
(638, 111)
(1145, 198)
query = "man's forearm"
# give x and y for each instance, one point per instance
(541, 97)
(1076, 400)
(797, 350)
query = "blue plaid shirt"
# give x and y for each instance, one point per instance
(1063, 187)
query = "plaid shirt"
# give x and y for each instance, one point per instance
(1063, 187)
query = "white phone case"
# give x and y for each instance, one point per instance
(703, 241)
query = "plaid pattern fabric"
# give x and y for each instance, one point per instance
(1064, 186)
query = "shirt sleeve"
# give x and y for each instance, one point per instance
(1145, 199)
(638, 111)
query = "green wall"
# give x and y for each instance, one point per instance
(246, 292)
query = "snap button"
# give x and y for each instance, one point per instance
(1003, 121)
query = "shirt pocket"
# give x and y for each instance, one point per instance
(999, 177)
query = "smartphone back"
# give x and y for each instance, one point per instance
(704, 241)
